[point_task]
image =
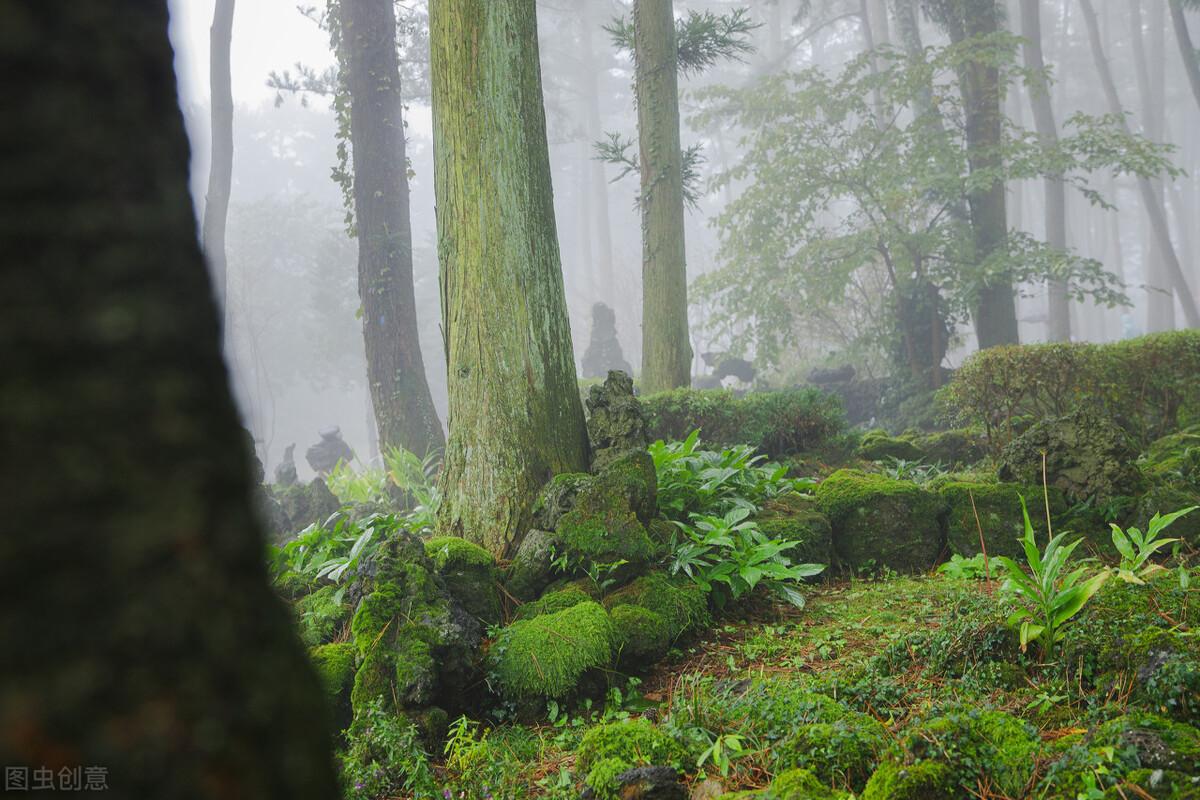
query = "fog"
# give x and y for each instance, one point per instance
(294, 341)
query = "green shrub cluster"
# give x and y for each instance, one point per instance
(1147, 385)
(776, 423)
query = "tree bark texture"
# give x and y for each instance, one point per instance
(1058, 327)
(220, 174)
(666, 347)
(141, 635)
(515, 414)
(1151, 200)
(404, 408)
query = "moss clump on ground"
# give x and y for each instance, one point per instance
(335, 666)
(634, 742)
(928, 780)
(956, 448)
(881, 522)
(842, 752)
(643, 636)
(470, 575)
(681, 603)
(794, 518)
(547, 656)
(999, 516)
(553, 602)
(800, 784)
(979, 744)
(878, 445)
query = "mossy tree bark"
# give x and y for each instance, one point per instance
(404, 409)
(515, 414)
(141, 633)
(666, 348)
(220, 176)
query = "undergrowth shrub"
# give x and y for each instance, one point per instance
(776, 423)
(1146, 385)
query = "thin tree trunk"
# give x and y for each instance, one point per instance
(1058, 323)
(1187, 50)
(404, 408)
(515, 414)
(220, 174)
(141, 634)
(666, 348)
(604, 274)
(1153, 202)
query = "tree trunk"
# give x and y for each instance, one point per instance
(1058, 324)
(666, 348)
(1152, 201)
(220, 174)
(515, 414)
(995, 310)
(142, 636)
(1187, 50)
(404, 408)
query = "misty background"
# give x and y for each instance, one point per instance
(295, 343)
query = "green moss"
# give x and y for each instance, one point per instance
(321, 615)
(979, 744)
(558, 497)
(401, 671)
(841, 753)
(877, 445)
(632, 476)
(602, 528)
(643, 636)
(800, 784)
(794, 518)
(955, 448)
(999, 516)
(602, 778)
(470, 575)
(881, 522)
(553, 602)
(455, 553)
(681, 603)
(547, 656)
(335, 666)
(769, 709)
(635, 742)
(1164, 499)
(928, 780)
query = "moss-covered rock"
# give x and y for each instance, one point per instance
(634, 742)
(1086, 455)
(881, 522)
(616, 421)
(557, 498)
(470, 575)
(643, 636)
(842, 752)
(602, 526)
(680, 602)
(978, 744)
(547, 656)
(1164, 499)
(553, 602)
(335, 665)
(632, 475)
(800, 784)
(794, 518)
(878, 445)
(998, 506)
(321, 615)
(927, 780)
(304, 504)
(956, 448)
(532, 567)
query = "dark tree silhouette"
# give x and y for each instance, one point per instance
(139, 631)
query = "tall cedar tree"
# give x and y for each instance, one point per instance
(400, 394)
(995, 314)
(515, 414)
(1059, 303)
(1187, 49)
(220, 176)
(1150, 198)
(666, 347)
(141, 634)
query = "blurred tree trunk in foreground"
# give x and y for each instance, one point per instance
(220, 174)
(395, 367)
(140, 634)
(516, 418)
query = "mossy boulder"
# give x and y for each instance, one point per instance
(800, 784)
(1164, 499)
(927, 780)
(978, 744)
(416, 645)
(794, 518)
(840, 752)
(635, 742)
(470, 575)
(634, 783)
(1174, 459)
(553, 602)
(998, 506)
(532, 567)
(602, 528)
(304, 504)
(878, 445)
(557, 498)
(549, 655)
(335, 665)
(680, 602)
(643, 637)
(321, 615)
(956, 448)
(616, 421)
(632, 475)
(1087, 456)
(881, 522)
